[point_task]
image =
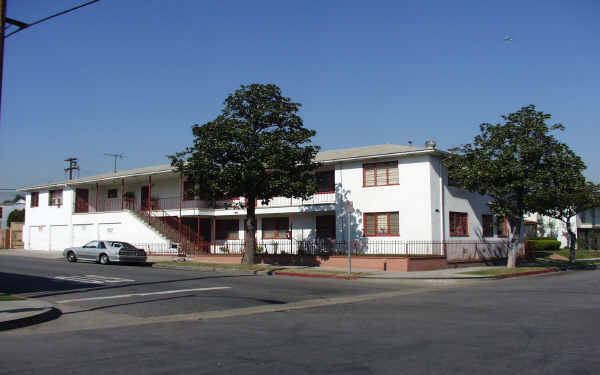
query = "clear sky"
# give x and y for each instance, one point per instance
(133, 76)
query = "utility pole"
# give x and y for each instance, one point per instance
(116, 156)
(72, 165)
(2, 24)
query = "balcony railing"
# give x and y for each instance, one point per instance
(174, 203)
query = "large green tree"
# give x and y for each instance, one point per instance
(566, 192)
(257, 148)
(510, 162)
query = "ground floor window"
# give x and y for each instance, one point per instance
(487, 225)
(501, 226)
(227, 229)
(588, 239)
(382, 224)
(459, 224)
(325, 227)
(275, 228)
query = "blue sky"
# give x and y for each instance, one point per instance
(134, 76)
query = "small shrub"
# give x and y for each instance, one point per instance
(259, 249)
(542, 245)
(224, 249)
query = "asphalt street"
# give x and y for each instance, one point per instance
(259, 324)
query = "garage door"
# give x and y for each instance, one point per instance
(59, 237)
(110, 231)
(83, 233)
(38, 237)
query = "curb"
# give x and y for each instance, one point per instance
(50, 314)
(314, 275)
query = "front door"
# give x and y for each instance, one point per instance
(81, 200)
(145, 201)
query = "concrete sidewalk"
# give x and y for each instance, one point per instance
(22, 313)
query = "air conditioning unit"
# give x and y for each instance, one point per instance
(56, 202)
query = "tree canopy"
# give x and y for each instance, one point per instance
(256, 148)
(17, 216)
(512, 162)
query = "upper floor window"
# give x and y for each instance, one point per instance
(55, 197)
(459, 224)
(227, 229)
(488, 225)
(35, 199)
(382, 224)
(325, 182)
(380, 174)
(189, 190)
(275, 227)
(113, 193)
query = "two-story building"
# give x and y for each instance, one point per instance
(375, 199)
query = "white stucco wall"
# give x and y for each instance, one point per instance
(44, 222)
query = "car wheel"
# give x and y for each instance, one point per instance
(104, 259)
(71, 257)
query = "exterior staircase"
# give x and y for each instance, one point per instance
(173, 229)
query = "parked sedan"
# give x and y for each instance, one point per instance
(105, 252)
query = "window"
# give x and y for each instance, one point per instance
(55, 198)
(459, 225)
(326, 226)
(380, 174)
(275, 227)
(35, 199)
(112, 193)
(501, 226)
(188, 190)
(488, 225)
(227, 229)
(325, 182)
(382, 224)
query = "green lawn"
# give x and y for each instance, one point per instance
(579, 254)
(506, 271)
(256, 267)
(8, 297)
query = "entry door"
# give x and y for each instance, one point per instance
(145, 198)
(81, 200)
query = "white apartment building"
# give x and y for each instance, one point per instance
(368, 196)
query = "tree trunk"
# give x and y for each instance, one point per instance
(513, 243)
(572, 241)
(250, 234)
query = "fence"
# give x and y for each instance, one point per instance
(452, 250)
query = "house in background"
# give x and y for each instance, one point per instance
(383, 199)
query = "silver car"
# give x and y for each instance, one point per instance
(105, 252)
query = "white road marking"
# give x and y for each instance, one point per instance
(144, 294)
(94, 279)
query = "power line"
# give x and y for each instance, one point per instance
(22, 25)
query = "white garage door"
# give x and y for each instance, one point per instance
(83, 233)
(59, 237)
(110, 231)
(38, 237)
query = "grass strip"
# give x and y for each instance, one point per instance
(505, 271)
(8, 297)
(222, 266)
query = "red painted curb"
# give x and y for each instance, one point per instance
(315, 275)
(526, 273)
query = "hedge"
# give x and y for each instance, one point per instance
(542, 245)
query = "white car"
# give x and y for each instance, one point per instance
(105, 252)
